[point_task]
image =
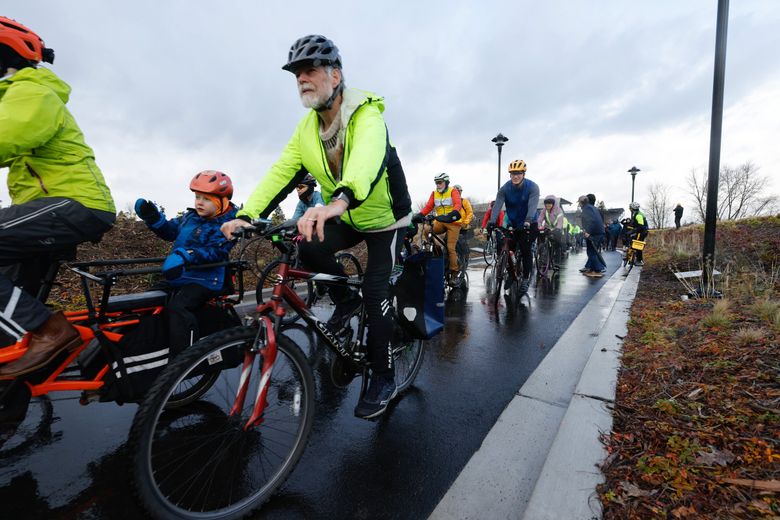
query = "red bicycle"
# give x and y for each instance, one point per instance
(224, 455)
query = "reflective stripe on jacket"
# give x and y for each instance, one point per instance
(43, 147)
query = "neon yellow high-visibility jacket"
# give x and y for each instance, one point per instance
(43, 147)
(371, 174)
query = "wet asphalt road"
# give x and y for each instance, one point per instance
(75, 465)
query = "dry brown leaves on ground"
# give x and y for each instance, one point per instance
(697, 413)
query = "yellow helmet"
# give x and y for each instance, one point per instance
(518, 165)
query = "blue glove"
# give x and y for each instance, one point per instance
(173, 267)
(147, 211)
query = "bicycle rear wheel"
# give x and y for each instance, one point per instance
(351, 265)
(191, 389)
(304, 288)
(198, 460)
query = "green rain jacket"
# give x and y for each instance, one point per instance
(43, 147)
(371, 174)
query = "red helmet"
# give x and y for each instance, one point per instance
(23, 41)
(214, 182)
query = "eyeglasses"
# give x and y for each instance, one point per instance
(516, 173)
(302, 186)
(439, 182)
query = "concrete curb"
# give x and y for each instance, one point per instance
(545, 444)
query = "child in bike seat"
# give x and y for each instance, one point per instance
(196, 240)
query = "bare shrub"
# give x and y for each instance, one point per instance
(747, 335)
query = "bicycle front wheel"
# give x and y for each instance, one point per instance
(199, 460)
(407, 359)
(501, 276)
(543, 259)
(489, 251)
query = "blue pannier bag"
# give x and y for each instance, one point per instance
(419, 292)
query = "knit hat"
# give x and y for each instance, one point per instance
(221, 203)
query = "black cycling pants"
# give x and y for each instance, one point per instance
(383, 248)
(182, 322)
(28, 233)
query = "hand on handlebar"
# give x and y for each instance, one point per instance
(234, 228)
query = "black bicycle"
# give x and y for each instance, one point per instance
(544, 256)
(507, 269)
(224, 455)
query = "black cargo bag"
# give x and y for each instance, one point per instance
(142, 353)
(419, 293)
(136, 360)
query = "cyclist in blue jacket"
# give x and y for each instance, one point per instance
(521, 197)
(197, 239)
(308, 196)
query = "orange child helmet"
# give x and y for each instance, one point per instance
(23, 41)
(214, 182)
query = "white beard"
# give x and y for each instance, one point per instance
(312, 99)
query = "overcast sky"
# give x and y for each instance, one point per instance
(583, 90)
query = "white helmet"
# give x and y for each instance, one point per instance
(633, 206)
(443, 177)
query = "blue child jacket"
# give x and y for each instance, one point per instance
(203, 242)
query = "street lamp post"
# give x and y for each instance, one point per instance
(499, 141)
(633, 171)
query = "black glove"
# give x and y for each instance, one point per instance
(418, 218)
(147, 211)
(490, 227)
(429, 217)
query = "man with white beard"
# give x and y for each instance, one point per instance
(344, 143)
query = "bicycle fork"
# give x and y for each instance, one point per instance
(265, 344)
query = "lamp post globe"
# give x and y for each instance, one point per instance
(499, 141)
(633, 171)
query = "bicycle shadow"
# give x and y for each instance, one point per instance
(105, 497)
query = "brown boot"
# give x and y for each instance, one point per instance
(48, 340)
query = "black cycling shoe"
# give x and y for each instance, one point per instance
(343, 311)
(381, 390)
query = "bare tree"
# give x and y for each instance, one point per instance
(739, 192)
(658, 205)
(697, 188)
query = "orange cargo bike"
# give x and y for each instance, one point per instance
(98, 367)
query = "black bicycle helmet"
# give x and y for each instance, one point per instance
(309, 180)
(312, 50)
